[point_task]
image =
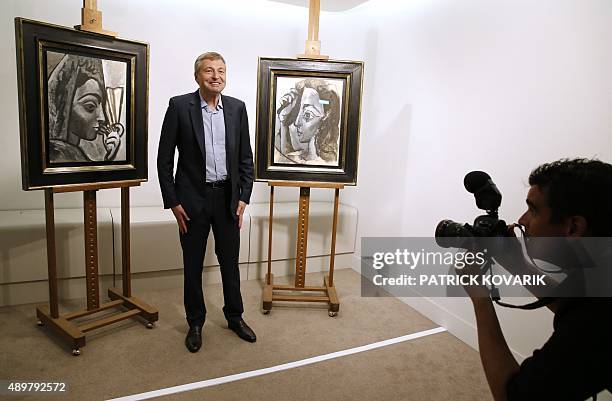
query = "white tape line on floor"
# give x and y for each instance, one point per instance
(285, 366)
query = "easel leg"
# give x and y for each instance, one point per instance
(328, 281)
(334, 303)
(333, 238)
(149, 313)
(267, 292)
(51, 258)
(125, 242)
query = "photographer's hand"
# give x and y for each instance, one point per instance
(497, 359)
(473, 271)
(510, 255)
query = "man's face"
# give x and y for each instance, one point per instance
(537, 218)
(211, 76)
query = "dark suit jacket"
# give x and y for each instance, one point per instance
(183, 129)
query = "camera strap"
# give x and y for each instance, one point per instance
(530, 306)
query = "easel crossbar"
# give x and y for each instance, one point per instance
(299, 298)
(108, 320)
(108, 305)
(292, 288)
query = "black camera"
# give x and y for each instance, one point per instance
(485, 234)
(456, 235)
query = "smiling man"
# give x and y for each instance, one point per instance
(212, 186)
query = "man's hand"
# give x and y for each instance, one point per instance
(181, 218)
(240, 212)
(475, 292)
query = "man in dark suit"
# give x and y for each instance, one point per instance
(212, 186)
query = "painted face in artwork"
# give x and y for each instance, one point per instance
(86, 110)
(310, 116)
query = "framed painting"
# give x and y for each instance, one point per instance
(308, 116)
(83, 106)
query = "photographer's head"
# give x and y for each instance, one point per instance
(569, 198)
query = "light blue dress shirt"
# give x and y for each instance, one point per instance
(214, 140)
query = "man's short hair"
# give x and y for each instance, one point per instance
(578, 187)
(206, 56)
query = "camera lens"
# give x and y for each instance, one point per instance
(450, 234)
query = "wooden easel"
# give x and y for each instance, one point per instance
(49, 314)
(313, 44)
(326, 293)
(91, 19)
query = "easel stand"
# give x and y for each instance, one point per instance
(312, 49)
(91, 19)
(326, 293)
(65, 324)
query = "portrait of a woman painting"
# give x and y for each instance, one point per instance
(86, 109)
(308, 116)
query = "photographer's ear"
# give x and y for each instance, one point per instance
(577, 226)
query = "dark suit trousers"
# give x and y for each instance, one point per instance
(216, 213)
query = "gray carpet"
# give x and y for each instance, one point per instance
(126, 358)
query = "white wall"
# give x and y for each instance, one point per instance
(450, 86)
(453, 86)
(178, 31)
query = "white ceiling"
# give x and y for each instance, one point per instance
(327, 5)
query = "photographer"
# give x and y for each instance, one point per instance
(567, 198)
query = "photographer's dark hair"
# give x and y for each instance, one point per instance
(578, 187)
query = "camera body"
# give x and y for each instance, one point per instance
(450, 234)
(456, 235)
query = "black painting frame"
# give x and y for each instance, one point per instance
(270, 69)
(34, 40)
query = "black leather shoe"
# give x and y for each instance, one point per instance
(193, 341)
(243, 330)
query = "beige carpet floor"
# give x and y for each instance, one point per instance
(127, 358)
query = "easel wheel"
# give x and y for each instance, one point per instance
(265, 311)
(150, 325)
(332, 314)
(40, 323)
(76, 352)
